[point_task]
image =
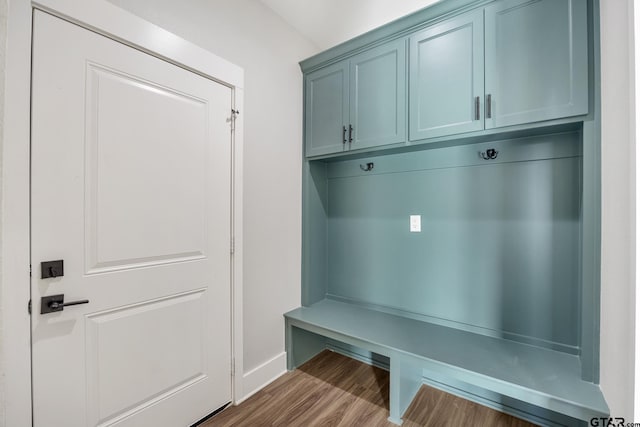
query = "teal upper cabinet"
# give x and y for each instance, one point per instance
(327, 109)
(511, 62)
(535, 61)
(378, 96)
(446, 81)
(357, 103)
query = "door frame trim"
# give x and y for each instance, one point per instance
(107, 19)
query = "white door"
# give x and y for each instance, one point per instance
(131, 188)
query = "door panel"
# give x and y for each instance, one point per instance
(447, 78)
(124, 238)
(327, 110)
(131, 187)
(378, 94)
(126, 372)
(536, 60)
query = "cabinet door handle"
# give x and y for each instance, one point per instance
(489, 106)
(477, 108)
(344, 135)
(350, 134)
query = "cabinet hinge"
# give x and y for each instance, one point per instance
(233, 245)
(29, 307)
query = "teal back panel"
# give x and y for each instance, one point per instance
(314, 232)
(500, 242)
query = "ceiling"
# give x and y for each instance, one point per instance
(327, 23)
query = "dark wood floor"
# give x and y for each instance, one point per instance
(333, 390)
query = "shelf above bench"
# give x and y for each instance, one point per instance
(540, 377)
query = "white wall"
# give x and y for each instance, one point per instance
(636, 39)
(617, 332)
(250, 35)
(331, 22)
(3, 49)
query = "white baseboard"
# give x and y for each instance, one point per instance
(257, 378)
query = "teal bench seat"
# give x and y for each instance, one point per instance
(540, 377)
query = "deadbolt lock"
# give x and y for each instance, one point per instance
(50, 269)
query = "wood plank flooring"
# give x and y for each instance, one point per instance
(334, 390)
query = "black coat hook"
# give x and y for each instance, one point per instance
(367, 168)
(490, 154)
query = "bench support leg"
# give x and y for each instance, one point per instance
(405, 381)
(301, 345)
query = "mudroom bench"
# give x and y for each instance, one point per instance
(545, 378)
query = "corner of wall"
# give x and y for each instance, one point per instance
(3, 48)
(618, 310)
(636, 158)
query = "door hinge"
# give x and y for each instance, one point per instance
(30, 271)
(29, 307)
(233, 366)
(234, 115)
(233, 245)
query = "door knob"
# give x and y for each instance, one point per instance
(54, 303)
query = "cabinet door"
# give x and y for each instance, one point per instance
(536, 60)
(326, 109)
(446, 81)
(378, 96)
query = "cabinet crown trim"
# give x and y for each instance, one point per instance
(401, 27)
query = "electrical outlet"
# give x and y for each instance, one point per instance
(415, 223)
